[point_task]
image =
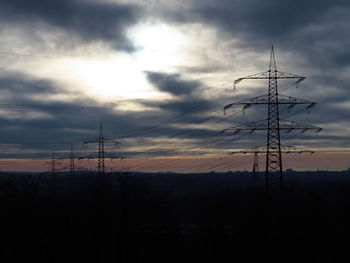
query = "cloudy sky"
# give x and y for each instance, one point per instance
(158, 73)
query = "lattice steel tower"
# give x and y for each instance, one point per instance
(273, 155)
(256, 163)
(71, 164)
(273, 124)
(102, 154)
(53, 165)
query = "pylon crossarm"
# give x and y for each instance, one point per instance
(286, 75)
(265, 151)
(105, 139)
(248, 102)
(264, 99)
(293, 125)
(266, 75)
(263, 125)
(293, 149)
(251, 126)
(92, 141)
(283, 99)
(284, 149)
(112, 141)
(261, 75)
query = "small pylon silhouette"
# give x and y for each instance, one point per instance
(101, 152)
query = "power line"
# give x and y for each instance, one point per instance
(49, 107)
(9, 53)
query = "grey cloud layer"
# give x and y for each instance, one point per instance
(315, 30)
(69, 125)
(91, 21)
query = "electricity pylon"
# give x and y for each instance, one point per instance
(101, 154)
(256, 163)
(53, 165)
(72, 165)
(273, 124)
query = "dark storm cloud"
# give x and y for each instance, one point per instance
(265, 18)
(172, 83)
(188, 106)
(18, 88)
(188, 101)
(91, 21)
(188, 98)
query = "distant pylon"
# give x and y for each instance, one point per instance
(101, 152)
(53, 165)
(72, 165)
(256, 163)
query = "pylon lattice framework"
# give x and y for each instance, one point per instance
(71, 164)
(53, 165)
(256, 163)
(102, 154)
(273, 124)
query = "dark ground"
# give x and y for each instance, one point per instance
(135, 217)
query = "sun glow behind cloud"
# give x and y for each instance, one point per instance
(122, 75)
(160, 47)
(117, 77)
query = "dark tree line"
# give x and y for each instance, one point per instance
(215, 217)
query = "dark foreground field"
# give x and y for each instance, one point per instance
(174, 218)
